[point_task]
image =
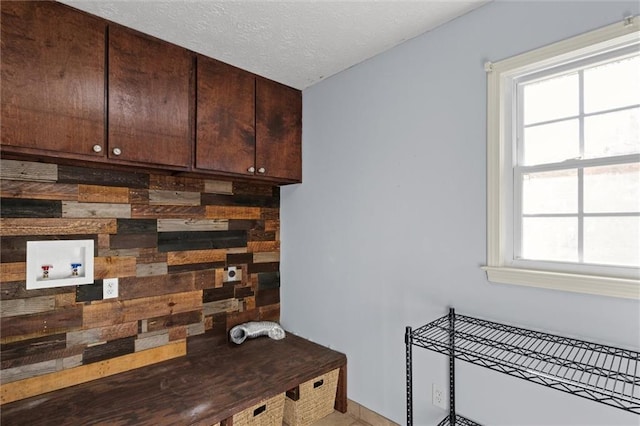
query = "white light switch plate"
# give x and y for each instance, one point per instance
(109, 288)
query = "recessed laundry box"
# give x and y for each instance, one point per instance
(312, 400)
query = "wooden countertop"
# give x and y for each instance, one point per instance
(208, 385)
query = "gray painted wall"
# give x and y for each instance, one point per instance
(388, 228)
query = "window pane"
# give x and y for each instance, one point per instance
(615, 133)
(612, 240)
(550, 238)
(551, 99)
(551, 143)
(613, 188)
(550, 192)
(612, 85)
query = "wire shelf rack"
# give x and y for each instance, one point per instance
(601, 373)
(459, 421)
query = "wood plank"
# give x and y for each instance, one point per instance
(51, 322)
(168, 212)
(245, 224)
(102, 177)
(14, 227)
(138, 196)
(196, 256)
(255, 268)
(259, 235)
(174, 225)
(270, 214)
(21, 389)
(26, 170)
(129, 241)
(152, 340)
(102, 194)
(173, 198)
(227, 305)
(205, 279)
(114, 267)
(150, 269)
(233, 212)
(218, 187)
(38, 190)
(266, 257)
(268, 297)
(72, 209)
(254, 188)
(102, 334)
(16, 271)
(272, 225)
(263, 246)
(239, 258)
(174, 320)
(176, 183)
(137, 226)
(18, 207)
(18, 290)
(108, 350)
(151, 255)
(32, 305)
(138, 287)
(183, 241)
(112, 312)
(267, 280)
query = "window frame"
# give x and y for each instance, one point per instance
(501, 107)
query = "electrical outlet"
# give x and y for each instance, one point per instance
(109, 288)
(437, 396)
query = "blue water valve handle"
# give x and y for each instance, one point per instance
(76, 265)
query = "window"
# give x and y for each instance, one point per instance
(564, 165)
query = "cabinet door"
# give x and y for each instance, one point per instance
(149, 92)
(278, 131)
(225, 129)
(52, 78)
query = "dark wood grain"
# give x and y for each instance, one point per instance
(176, 241)
(108, 350)
(168, 321)
(52, 322)
(223, 379)
(269, 296)
(137, 226)
(225, 132)
(52, 78)
(267, 280)
(149, 88)
(239, 258)
(125, 241)
(98, 176)
(278, 130)
(16, 207)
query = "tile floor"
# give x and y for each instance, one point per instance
(338, 419)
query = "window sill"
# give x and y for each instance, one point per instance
(590, 284)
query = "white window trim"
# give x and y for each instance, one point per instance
(499, 217)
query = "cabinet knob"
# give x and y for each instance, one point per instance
(117, 151)
(97, 148)
(251, 169)
(261, 170)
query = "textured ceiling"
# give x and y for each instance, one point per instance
(297, 43)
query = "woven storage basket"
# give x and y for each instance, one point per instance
(266, 413)
(315, 400)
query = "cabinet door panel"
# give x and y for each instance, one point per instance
(52, 78)
(278, 130)
(149, 88)
(225, 132)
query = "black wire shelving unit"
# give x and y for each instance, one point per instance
(601, 373)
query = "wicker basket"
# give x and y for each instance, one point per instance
(266, 413)
(311, 400)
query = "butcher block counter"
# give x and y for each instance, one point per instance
(206, 386)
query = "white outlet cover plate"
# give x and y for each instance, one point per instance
(109, 288)
(59, 255)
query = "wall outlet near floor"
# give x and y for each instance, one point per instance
(438, 397)
(109, 288)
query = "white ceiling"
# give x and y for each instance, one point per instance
(297, 43)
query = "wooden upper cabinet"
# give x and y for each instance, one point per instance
(278, 131)
(53, 90)
(225, 124)
(149, 100)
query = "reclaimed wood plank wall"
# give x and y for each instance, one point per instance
(170, 241)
